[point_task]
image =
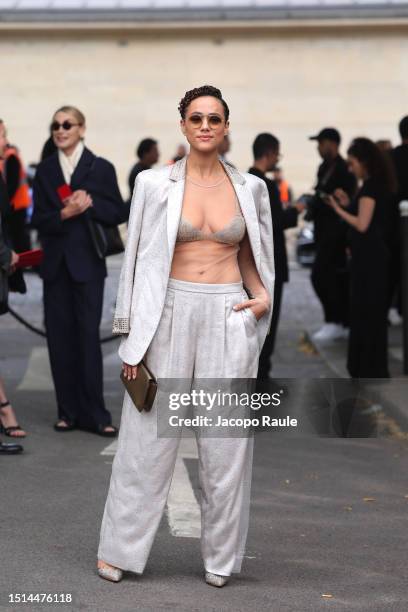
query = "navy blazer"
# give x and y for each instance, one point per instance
(71, 239)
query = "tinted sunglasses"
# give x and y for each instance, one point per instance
(213, 121)
(66, 125)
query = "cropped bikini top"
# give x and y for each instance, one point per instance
(232, 233)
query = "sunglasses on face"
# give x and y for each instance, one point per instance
(66, 125)
(213, 121)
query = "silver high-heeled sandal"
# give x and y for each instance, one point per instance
(215, 579)
(114, 574)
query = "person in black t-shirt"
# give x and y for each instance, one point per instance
(399, 156)
(329, 274)
(266, 150)
(368, 216)
(148, 154)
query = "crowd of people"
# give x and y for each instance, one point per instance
(356, 271)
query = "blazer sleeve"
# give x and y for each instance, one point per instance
(267, 250)
(108, 206)
(46, 218)
(121, 321)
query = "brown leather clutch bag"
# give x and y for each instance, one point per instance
(142, 389)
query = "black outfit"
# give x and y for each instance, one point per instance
(5, 259)
(74, 279)
(329, 274)
(367, 349)
(400, 158)
(17, 221)
(5, 251)
(16, 281)
(137, 168)
(5, 208)
(282, 218)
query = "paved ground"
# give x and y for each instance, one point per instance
(328, 515)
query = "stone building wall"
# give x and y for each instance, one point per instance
(128, 83)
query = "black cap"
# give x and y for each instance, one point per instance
(327, 134)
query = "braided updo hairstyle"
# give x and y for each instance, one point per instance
(198, 92)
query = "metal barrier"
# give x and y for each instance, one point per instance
(41, 332)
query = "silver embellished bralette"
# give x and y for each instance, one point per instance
(230, 234)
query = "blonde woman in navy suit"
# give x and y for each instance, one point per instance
(73, 273)
(199, 232)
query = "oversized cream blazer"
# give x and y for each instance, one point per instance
(153, 224)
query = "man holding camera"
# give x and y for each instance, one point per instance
(329, 274)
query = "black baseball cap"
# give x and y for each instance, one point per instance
(327, 134)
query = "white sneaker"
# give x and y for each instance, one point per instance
(330, 331)
(322, 333)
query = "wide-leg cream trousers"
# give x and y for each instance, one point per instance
(199, 336)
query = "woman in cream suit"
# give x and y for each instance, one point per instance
(195, 302)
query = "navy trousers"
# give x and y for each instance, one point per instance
(73, 312)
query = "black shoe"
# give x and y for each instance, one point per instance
(10, 449)
(68, 427)
(107, 434)
(9, 431)
(100, 430)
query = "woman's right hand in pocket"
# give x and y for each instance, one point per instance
(129, 371)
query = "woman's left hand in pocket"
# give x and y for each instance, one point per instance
(259, 306)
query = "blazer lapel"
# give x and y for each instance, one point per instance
(246, 201)
(174, 206)
(175, 202)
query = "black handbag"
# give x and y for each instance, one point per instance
(10, 282)
(106, 240)
(16, 282)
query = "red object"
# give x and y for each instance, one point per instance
(30, 258)
(64, 192)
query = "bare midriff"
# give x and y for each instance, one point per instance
(211, 228)
(205, 262)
